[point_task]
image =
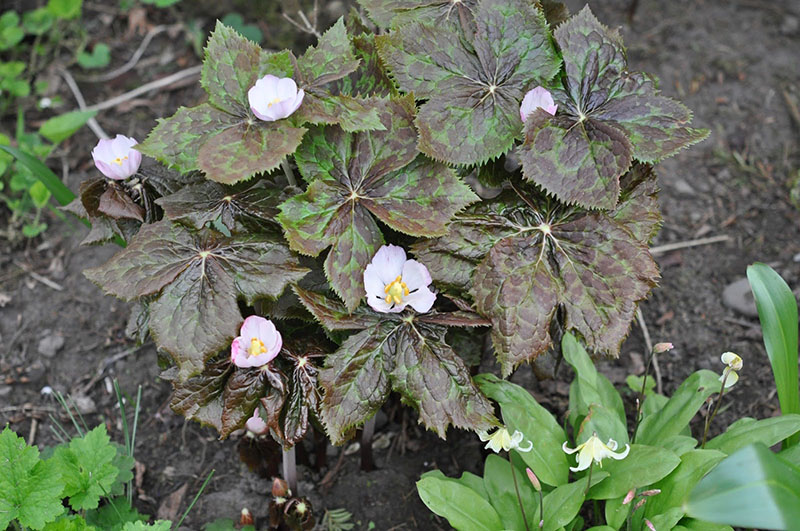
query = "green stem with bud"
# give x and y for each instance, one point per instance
(709, 418)
(516, 489)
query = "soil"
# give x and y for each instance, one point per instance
(731, 62)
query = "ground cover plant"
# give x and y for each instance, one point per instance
(383, 130)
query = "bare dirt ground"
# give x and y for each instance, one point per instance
(735, 63)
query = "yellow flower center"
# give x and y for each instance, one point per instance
(273, 102)
(119, 160)
(396, 290)
(256, 347)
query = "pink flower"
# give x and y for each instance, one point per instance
(273, 98)
(392, 282)
(116, 159)
(258, 343)
(538, 98)
(256, 424)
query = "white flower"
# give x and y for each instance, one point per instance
(594, 449)
(734, 364)
(116, 158)
(273, 98)
(502, 440)
(392, 282)
(538, 98)
(259, 342)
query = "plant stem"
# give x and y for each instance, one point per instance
(709, 418)
(638, 417)
(516, 489)
(287, 170)
(589, 482)
(290, 469)
(367, 460)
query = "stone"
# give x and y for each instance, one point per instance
(738, 296)
(50, 344)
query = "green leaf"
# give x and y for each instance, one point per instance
(99, 58)
(40, 194)
(521, 412)
(10, 32)
(355, 382)
(248, 31)
(72, 522)
(87, 468)
(777, 311)
(591, 386)
(65, 9)
(354, 176)
(679, 410)
(473, 92)
(158, 525)
(643, 466)
(676, 486)
(562, 504)
(64, 126)
(30, 489)
(499, 485)
(748, 431)
(113, 515)
(606, 117)
(351, 114)
(196, 279)
(37, 21)
(371, 78)
(332, 314)
(59, 190)
(463, 507)
(751, 488)
(396, 13)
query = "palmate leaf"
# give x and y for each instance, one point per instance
(395, 13)
(530, 262)
(198, 205)
(371, 78)
(606, 118)
(195, 280)
(392, 353)
(473, 93)
(355, 176)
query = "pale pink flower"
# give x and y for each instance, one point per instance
(538, 98)
(256, 424)
(660, 348)
(273, 98)
(392, 282)
(116, 159)
(258, 343)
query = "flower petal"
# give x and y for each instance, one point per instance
(379, 304)
(286, 89)
(569, 450)
(732, 378)
(421, 300)
(584, 461)
(620, 455)
(415, 275)
(389, 261)
(252, 327)
(256, 424)
(373, 285)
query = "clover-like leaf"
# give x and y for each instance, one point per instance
(473, 92)
(201, 204)
(606, 117)
(356, 176)
(87, 468)
(30, 489)
(195, 280)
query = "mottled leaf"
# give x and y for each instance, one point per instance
(473, 92)
(606, 117)
(332, 314)
(371, 77)
(352, 175)
(241, 396)
(396, 13)
(355, 382)
(429, 375)
(197, 279)
(638, 205)
(200, 398)
(201, 204)
(332, 58)
(116, 203)
(351, 113)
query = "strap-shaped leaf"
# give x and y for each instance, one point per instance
(198, 205)
(356, 176)
(195, 280)
(473, 92)
(606, 117)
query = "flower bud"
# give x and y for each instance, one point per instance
(629, 497)
(649, 525)
(246, 518)
(651, 492)
(534, 480)
(280, 488)
(660, 348)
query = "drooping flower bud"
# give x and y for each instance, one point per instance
(733, 364)
(629, 497)
(660, 348)
(280, 489)
(534, 480)
(116, 159)
(246, 518)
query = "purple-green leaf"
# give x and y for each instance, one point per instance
(332, 58)
(195, 280)
(241, 396)
(200, 398)
(396, 13)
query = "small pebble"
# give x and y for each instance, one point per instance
(50, 344)
(738, 296)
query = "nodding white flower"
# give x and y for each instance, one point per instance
(538, 98)
(259, 342)
(594, 449)
(660, 348)
(731, 373)
(502, 440)
(256, 424)
(392, 282)
(274, 98)
(116, 159)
